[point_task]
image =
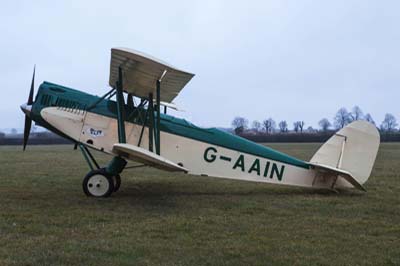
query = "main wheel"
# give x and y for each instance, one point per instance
(97, 183)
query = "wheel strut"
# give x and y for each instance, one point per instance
(88, 157)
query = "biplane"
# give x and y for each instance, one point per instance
(136, 127)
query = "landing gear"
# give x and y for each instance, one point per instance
(97, 183)
(102, 182)
(117, 182)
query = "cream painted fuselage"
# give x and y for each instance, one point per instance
(199, 157)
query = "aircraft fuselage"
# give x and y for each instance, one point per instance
(210, 152)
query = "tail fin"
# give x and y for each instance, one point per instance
(353, 150)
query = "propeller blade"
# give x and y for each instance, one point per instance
(27, 130)
(30, 98)
(28, 120)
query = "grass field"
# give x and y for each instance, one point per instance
(160, 218)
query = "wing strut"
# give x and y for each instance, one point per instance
(158, 96)
(150, 107)
(154, 120)
(158, 106)
(120, 108)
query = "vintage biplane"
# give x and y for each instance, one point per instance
(134, 127)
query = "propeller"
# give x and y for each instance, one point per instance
(28, 120)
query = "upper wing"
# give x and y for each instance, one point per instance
(140, 73)
(138, 154)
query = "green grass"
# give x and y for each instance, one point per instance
(159, 218)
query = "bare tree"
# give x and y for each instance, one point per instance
(389, 124)
(369, 118)
(310, 129)
(239, 124)
(269, 125)
(342, 118)
(296, 126)
(301, 125)
(356, 114)
(256, 126)
(14, 131)
(324, 124)
(283, 126)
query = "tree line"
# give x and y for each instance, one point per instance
(342, 118)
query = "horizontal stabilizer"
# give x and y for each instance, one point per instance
(137, 154)
(338, 172)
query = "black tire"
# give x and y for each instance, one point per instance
(97, 183)
(117, 182)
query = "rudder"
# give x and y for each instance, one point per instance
(352, 149)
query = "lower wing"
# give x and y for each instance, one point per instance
(137, 154)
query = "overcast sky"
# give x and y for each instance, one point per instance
(292, 60)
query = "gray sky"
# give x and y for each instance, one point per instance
(283, 59)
